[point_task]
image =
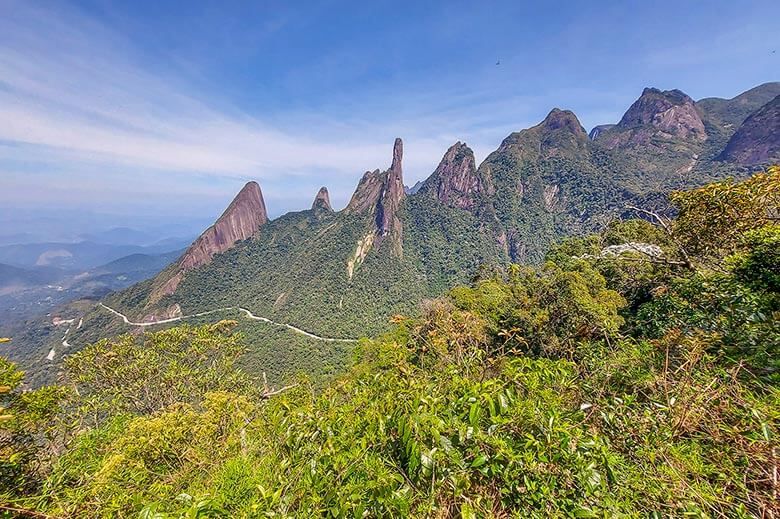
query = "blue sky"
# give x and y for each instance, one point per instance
(165, 109)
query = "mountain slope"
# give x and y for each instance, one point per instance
(757, 141)
(722, 117)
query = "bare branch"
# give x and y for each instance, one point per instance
(269, 394)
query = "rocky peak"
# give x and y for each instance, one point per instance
(455, 181)
(381, 194)
(322, 200)
(668, 113)
(398, 155)
(241, 220)
(367, 192)
(559, 119)
(757, 141)
(392, 194)
(560, 133)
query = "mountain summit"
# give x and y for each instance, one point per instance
(241, 220)
(380, 193)
(392, 194)
(668, 114)
(455, 181)
(322, 200)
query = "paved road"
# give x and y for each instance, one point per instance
(248, 314)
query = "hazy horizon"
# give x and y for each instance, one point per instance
(132, 114)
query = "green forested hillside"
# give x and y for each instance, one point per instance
(633, 373)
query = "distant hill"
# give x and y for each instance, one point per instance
(31, 298)
(15, 278)
(75, 256)
(730, 113)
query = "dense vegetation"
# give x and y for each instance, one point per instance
(595, 385)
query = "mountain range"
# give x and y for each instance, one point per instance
(345, 273)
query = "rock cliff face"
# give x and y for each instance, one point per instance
(322, 200)
(241, 220)
(455, 181)
(381, 193)
(367, 192)
(757, 141)
(668, 114)
(392, 194)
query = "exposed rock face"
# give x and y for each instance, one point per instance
(381, 193)
(241, 220)
(392, 194)
(366, 195)
(322, 200)
(757, 141)
(455, 181)
(550, 196)
(668, 114)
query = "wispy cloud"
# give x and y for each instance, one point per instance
(88, 113)
(80, 96)
(72, 90)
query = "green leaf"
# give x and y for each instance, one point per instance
(479, 461)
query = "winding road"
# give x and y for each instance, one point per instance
(246, 312)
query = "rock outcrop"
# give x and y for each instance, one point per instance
(668, 114)
(757, 141)
(380, 193)
(241, 220)
(322, 201)
(391, 196)
(367, 192)
(455, 181)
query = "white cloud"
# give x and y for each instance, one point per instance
(71, 87)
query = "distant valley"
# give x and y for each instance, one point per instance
(38, 278)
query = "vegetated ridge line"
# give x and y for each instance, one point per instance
(248, 314)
